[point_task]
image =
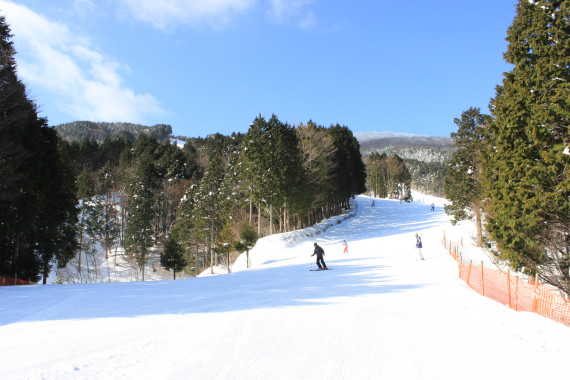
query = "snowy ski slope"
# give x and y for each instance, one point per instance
(378, 314)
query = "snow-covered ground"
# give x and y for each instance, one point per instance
(377, 314)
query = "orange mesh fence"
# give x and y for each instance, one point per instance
(510, 290)
(4, 281)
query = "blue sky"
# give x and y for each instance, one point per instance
(207, 66)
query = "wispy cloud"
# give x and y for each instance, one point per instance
(293, 11)
(166, 13)
(85, 83)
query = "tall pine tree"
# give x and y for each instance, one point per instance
(37, 195)
(462, 184)
(141, 202)
(527, 171)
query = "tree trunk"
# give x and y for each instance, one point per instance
(259, 220)
(212, 248)
(271, 219)
(80, 251)
(250, 208)
(196, 260)
(479, 226)
(142, 267)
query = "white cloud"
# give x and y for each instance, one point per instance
(296, 11)
(164, 13)
(84, 82)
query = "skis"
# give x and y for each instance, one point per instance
(318, 270)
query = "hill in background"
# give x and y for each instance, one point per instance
(425, 156)
(98, 131)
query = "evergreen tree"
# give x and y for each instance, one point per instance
(397, 178)
(388, 176)
(57, 218)
(375, 176)
(85, 185)
(248, 238)
(85, 193)
(270, 163)
(111, 227)
(141, 202)
(210, 207)
(226, 243)
(462, 183)
(349, 176)
(317, 150)
(37, 193)
(527, 172)
(173, 256)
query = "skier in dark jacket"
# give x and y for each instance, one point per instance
(320, 253)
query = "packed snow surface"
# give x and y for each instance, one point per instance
(377, 314)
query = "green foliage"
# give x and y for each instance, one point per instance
(141, 203)
(173, 256)
(248, 237)
(37, 190)
(349, 173)
(427, 177)
(270, 160)
(462, 183)
(57, 217)
(526, 171)
(388, 176)
(99, 131)
(317, 150)
(226, 243)
(85, 185)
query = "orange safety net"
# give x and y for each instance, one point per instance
(510, 290)
(5, 281)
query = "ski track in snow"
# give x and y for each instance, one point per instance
(379, 314)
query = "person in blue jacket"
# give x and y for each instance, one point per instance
(320, 253)
(419, 247)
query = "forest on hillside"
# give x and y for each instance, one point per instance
(426, 164)
(197, 205)
(99, 131)
(509, 172)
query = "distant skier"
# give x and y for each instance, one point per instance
(432, 207)
(419, 248)
(373, 203)
(320, 253)
(345, 246)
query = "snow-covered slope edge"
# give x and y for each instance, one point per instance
(262, 250)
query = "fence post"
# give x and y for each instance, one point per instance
(469, 272)
(517, 294)
(509, 287)
(482, 278)
(534, 295)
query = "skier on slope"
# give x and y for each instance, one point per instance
(345, 244)
(320, 253)
(419, 248)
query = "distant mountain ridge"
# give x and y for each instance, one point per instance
(425, 156)
(378, 139)
(80, 130)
